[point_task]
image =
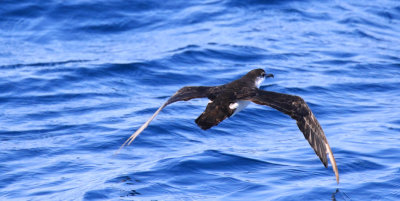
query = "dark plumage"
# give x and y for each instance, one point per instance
(229, 98)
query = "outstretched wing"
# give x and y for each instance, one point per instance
(297, 108)
(184, 94)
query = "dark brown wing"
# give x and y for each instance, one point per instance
(297, 108)
(184, 94)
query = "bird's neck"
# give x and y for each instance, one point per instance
(258, 82)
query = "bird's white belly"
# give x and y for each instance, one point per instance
(240, 105)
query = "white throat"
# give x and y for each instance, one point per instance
(259, 80)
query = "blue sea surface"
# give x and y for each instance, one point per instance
(77, 78)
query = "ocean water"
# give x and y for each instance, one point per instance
(77, 78)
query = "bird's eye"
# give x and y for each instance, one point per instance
(263, 74)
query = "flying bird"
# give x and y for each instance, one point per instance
(228, 99)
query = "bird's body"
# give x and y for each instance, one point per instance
(228, 99)
(239, 106)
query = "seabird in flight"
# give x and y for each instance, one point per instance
(230, 98)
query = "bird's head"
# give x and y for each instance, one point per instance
(258, 75)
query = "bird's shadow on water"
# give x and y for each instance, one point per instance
(340, 195)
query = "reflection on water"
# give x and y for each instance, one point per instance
(340, 195)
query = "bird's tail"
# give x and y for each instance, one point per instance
(204, 121)
(213, 115)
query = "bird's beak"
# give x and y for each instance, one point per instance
(269, 75)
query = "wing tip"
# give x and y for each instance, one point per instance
(337, 179)
(333, 161)
(134, 135)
